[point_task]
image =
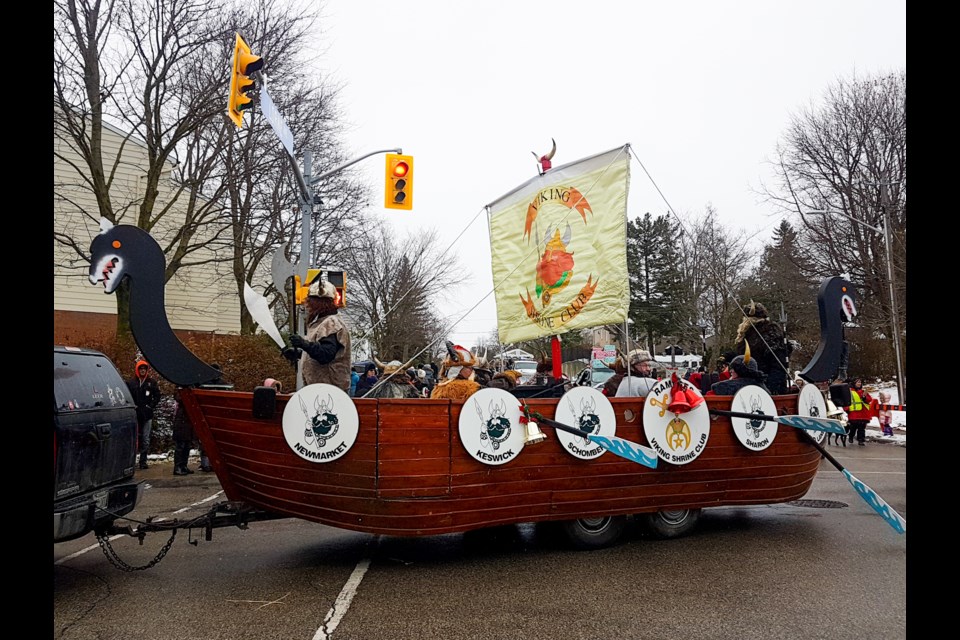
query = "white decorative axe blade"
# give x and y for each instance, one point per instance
(260, 311)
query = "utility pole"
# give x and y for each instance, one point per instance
(894, 314)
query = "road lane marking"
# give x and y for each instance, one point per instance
(342, 603)
(77, 554)
(198, 503)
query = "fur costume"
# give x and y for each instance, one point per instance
(455, 386)
(451, 367)
(456, 389)
(506, 380)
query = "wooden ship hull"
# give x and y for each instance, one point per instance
(408, 473)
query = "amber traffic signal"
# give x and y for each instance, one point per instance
(398, 183)
(241, 85)
(339, 280)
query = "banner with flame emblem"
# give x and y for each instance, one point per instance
(559, 249)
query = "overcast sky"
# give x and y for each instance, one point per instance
(701, 90)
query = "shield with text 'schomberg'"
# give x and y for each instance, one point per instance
(587, 409)
(811, 403)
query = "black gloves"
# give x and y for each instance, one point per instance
(291, 354)
(323, 351)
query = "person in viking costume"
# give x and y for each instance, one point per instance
(769, 347)
(482, 373)
(640, 378)
(456, 375)
(324, 353)
(394, 382)
(743, 372)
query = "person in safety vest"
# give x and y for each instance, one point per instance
(859, 412)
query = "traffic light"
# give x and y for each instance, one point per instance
(303, 289)
(339, 280)
(398, 184)
(241, 85)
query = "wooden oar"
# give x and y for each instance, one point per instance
(869, 496)
(623, 448)
(800, 422)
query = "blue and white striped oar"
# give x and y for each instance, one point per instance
(623, 448)
(869, 496)
(800, 422)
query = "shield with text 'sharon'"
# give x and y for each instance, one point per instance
(558, 246)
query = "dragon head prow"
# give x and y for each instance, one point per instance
(106, 264)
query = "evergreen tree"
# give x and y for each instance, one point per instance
(777, 281)
(657, 300)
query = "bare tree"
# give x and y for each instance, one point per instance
(263, 196)
(159, 72)
(147, 68)
(395, 294)
(849, 155)
(724, 257)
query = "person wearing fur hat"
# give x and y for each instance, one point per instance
(394, 383)
(639, 379)
(544, 375)
(743, 372)
(324, 353)
(457, 375)
(767, 341)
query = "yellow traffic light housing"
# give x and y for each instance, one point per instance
(398, 182)
(241, 85)
(337, 278)
(303, 290)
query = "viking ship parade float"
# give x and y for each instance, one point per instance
(417, 467)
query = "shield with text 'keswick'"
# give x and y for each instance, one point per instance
(490, 428)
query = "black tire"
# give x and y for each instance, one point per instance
(671, 523)
(594, 533)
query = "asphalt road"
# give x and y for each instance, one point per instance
(829, 568)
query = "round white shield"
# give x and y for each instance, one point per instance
(678, 438)
(587, 409)
(490, 428)
(812, 404)
(320, 423)
(754, 433)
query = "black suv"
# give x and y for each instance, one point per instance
(95, 443)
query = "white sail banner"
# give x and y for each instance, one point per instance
(559, 249)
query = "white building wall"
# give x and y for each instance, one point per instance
(198, 298)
